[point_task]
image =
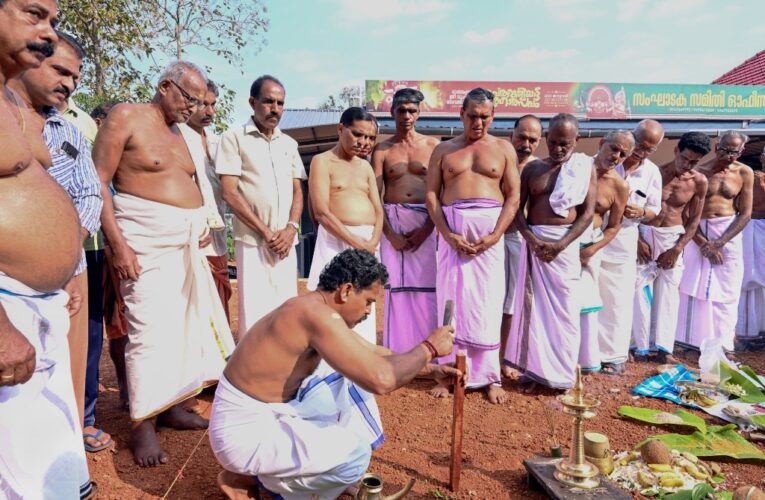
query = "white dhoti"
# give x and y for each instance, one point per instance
(410, 296)
(327, 246)
(179, 338)
(41, 451)
(709, 294)
(590, 305)
(312, 447)
(545, 335)
(657, 294)
(512, 258)
(751, 307)
(616, 283)
(264, 282)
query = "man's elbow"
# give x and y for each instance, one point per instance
(383, 382)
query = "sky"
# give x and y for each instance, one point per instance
(315, 47)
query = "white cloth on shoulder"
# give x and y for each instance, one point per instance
(41, 455)
(314, 446)
(572, 184)
(179, 337)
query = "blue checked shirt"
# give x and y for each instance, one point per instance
(73, 169)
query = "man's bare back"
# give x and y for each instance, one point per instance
(153, 161)
(37, 212)
(401, 166)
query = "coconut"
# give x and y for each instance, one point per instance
(655, 452)
(748, 493)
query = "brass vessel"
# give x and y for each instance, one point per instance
(372, 486)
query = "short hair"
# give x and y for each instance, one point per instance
(613, 134)
(696, 142)
(72, 42)
(479, 95)
(562, 118)
(357, 267)
(176, 69)
(102, 110)
(354, 114)
(213, 87)
(407, 96)
(736, 134)
(258, 84)
(529, 117)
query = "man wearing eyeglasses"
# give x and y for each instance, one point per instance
(751, 307)
(261, 173)
(714, 269)
(618, 268)
(178, 335)
(660, 249)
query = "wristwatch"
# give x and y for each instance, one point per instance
(295, 225)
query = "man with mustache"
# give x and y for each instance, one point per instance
(525, 138)
(714, 269)
(408, 244)
(42, 442)
(178, 335)
(277, 421)
(618, 268)
(612, 192)
(43, 89)
(660, 249)
(261, 173)
(472, 198)
(203, 144)
(559, 194)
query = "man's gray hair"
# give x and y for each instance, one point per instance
(176, 69)
(735, 134)
(613, 134)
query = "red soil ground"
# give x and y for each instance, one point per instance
(417, 440)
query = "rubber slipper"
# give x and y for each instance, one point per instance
(95, 449)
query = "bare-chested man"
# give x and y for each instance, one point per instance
(40, 247)
(525, 138)
(618, 267)
(751, 307)
(472, 198)
(711, 284)
(408, 245)
(275, 418)
(155, 224)
(660, 249)
(559, 195)
(345, 200)
(612, 193)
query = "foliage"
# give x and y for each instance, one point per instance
(348, 96)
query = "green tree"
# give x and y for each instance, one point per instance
(352, 95)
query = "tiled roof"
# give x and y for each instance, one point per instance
(749, 72)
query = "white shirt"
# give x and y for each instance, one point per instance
(646, 178)
(266, 170)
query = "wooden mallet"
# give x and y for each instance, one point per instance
(455, 463)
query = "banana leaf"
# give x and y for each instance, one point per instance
(759, 421)
(718, 441)
(756, 378)
(654, 417)
(729, 374)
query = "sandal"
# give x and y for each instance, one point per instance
(97, 448)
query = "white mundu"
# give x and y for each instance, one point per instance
(266, 170)
(41, 452)
(657, 296)
(751, 307)
(618, 268)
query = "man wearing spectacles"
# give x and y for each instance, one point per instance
(711, 285)
(618, 268)
(751, 307)
(178, 334)
(660, 249)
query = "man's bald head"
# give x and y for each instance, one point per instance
(181, 90)
(562, 133)
(648, 135)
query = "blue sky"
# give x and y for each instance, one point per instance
(316, 47)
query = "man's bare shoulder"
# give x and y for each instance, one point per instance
(744, 170)
(384, 146)
(535, 167)
(619, 184)
(429, 140)
(322, 159)
(698, 178)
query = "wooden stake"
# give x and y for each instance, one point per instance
(455, 466)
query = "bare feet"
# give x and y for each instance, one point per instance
(237, 486)
(510, 372)
(496, 394)
(615, 369)
(439, 391)
(182, 418)
(666, 358)
(145, 445)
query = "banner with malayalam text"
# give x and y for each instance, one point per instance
(590, 100)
